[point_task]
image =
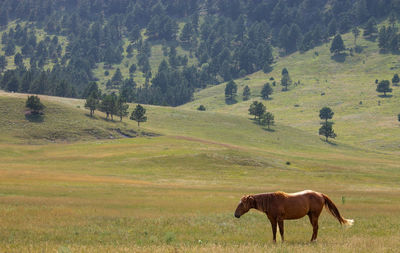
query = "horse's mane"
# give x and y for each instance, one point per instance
(280, 194)
(265, 200)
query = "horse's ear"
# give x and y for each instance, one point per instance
(251, 199)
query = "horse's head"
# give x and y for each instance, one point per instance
(245, 204)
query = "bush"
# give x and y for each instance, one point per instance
(201, 108)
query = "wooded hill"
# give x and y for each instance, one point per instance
(60, 47)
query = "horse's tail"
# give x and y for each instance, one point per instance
(335, 212)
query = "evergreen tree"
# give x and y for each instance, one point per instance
(266, 91)
(395, 79)
(327, 130)
(267, 119)
(3, 63)
(284, 37)
(286, 81)
(356, 33)
(326, 113)
(132, 69)
(18, 60)
(246, 93)
(121, 108)
(91, 103)
(259, 111)
(384, 86)
(33, 103)
(138, 114)
(230, 90)
(370, 28)
(252, 109)
(107, 105)
(332, 27)
(13, 85)
(117, 77)
(337, 45)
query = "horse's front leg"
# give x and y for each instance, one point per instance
(273, 224)
(281, 229)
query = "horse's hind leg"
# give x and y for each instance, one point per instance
(314, 223)
(280, 223)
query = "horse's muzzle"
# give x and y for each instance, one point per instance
(237, 215)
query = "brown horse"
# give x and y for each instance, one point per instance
(279, 206)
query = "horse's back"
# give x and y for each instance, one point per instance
(299, 204)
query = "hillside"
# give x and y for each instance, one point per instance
(362, 117)
(62, 121)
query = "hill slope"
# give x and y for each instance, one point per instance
(362, 117)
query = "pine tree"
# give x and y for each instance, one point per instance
(91, 103)
(384, 86)
(356, 33)
(326, 113)
(3, 63)
(267, 119)
(266, 91)
(327, 130)
(246, 93)
(121, 108)
(138, 114)
(230, 90)
(337, 45)
(33, 103)
(286, 81)
(395, 79)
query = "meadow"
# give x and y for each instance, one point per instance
(70, 183)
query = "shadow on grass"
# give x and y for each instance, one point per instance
(34, 117)
(230, 101)
(328, 142)
(385, 96)
(359, 49)
(339, 57)
(269, 130)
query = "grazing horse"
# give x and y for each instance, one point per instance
(279, 206)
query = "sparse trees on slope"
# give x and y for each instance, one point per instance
(138, 114)
(257, 109)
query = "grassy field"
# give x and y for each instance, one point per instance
(69, 183)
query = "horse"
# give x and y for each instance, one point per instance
(280, 206)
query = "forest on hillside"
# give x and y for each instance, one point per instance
(227, 38)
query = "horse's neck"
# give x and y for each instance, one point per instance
(262, 203)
